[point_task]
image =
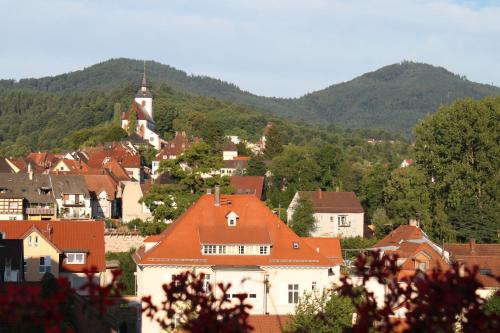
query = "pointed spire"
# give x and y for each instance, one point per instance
(144, 75)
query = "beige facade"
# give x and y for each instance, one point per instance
(131, 207)
(35, 248)
(284, 285)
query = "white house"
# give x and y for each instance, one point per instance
(236, 239)
(337, 214)
(72, 196)
(131, 207)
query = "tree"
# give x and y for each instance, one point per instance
(274, 144)
(383, 225)
(117, 113)
(457, 147)
(148, 154)
(242, 149)
(256, 167)
(324, 312)
(296, 166)
(132, 122)
(303, 222)
(372, 188)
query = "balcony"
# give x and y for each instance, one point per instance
(40, 211)
(71, 203)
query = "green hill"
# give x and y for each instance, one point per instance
(393, 98)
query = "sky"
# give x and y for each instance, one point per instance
(282, 48)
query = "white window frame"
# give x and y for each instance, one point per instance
(222, 249)
(263, 250)
(241, 249)
(32, 243)
(72, 258)
(343, 221)
(293, 293)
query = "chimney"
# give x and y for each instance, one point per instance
(472, 245)
(337, 189)
(217, 196)
(414, 223)
(209, 191)
(320, 193)
(30, 172)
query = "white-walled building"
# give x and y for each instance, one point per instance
(236, 239)
(142, 106)
(337, 214)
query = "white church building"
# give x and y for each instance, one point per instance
(142, 106)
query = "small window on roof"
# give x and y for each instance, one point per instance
(232, 217)
(295, 245)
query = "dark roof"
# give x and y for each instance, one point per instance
(333, 202)
(4, 166)
(136, 139)
(235, 164)
(18, 185)
(229, 146)
(69, 184)
(248, 185)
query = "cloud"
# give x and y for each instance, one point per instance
(269, 47)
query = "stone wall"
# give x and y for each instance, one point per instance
(122, 242)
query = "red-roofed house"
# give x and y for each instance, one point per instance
(172, 150)
(102, 189)
(248, 185)
(62, 248)
(485, 256)
(237, 239)
(337, 214)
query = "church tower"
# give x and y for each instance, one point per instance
(144, 97)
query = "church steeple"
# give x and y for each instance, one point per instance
(144, 86)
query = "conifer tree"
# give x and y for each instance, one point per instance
(132, 122)
(274, 144)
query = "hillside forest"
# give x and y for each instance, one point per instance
(451, 188)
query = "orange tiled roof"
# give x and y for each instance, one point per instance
(333, 202)
(181, 241)
(248, 185)
(268, 323)
(66, 236)
(327, 246)
(403, 232)
(97, 183)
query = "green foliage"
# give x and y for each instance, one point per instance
(128, 267)
(167, 202)
(372, 187)
(355, 243)
(274, 143)
(321, 313)
(95, 135)
(132, 122)
(243, 150)
(256, 167)
(458, 148)
(303, 222)
(492, 304)
(146, 228)
(383, 225)
(148, 154)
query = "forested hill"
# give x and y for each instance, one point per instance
(394, 97)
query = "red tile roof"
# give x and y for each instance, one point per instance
(248, 185)
(268, 323)
(485, 256)
(403, 232)
(233, 235)
(66, 236)
(327, 246)
(181, 241)
(97, 183)
(333, 202)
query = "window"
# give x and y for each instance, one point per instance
(313, 285)
(75, 258)
(209, 249)
(13, 205)
(295, 245)
(252, 295)
(241, 249)
(12, 218)
(232, 222)
(206, 283)
(421, 265)
(485, 271)
(293, 293)
(25, 264)
(263, 250)
(343, 221)
(33, 241)
(45, 265)
(331, 218)
(2, 235)
(222, 249)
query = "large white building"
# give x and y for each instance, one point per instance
(142, 106)
(236, 239)
(337, 214)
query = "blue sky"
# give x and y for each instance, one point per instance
(269, 47)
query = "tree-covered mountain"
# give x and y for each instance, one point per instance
(393, 98)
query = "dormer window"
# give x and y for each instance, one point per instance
(295, 245)
(75, 258)
(232, 218)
